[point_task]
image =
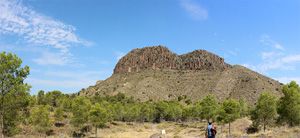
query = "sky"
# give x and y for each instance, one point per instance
(70, 44)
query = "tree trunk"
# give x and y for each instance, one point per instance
(205, 126)
(229, 128)
(2, 124)
(87, 129)
(221, 128)
(2, 106)
(160, 119)
(96, 132)
(264, 125)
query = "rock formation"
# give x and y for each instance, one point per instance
(162, 58)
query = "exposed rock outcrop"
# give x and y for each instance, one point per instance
(162, 58)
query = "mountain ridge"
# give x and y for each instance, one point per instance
(162, 58)
(158, 74)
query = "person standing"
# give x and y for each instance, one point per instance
(210, 131)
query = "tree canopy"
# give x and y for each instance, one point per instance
(229, 111)
(14, 93)
(209, 107)
(289, 105)
(265, 108)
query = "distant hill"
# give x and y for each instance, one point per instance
(158, 74)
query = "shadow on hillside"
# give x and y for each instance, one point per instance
(50, 132)
(59, 124)
(77, 135)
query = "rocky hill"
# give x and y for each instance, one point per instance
(158, 74)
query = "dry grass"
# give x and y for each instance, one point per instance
(173, 130)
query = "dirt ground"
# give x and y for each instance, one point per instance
(192, 130)
(173, 130)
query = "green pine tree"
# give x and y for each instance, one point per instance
(58, 114)
(161, 110)
(209, 107)
(98, 116)
(145, 112)
(40, 117)
(289, 105)
(118, 111)
(14, 93)
(265, 109)
(187, 113)
(41, 98)
(229, 111)
(80, 111)
(243, 107)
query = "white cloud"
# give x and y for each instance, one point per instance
(266, 40)
(76, 75)
(231, 52)
(61, 83)
(226, 56)
(272, 60)
(276, 64)
(277, 46)
(6, 47)
(49, 58)
(194, 10)
(266, 55)
(286, 80)
(119, 54)
(37, 29)
(67, 79)
(291, 59)
(246, 65)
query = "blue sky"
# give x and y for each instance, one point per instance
(70, 45)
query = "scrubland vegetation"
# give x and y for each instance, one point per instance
(56, 114)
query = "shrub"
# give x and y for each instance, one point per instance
(180, 98)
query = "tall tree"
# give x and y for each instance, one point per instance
(41, 119)
(289, 105)
(13, 91)
(177, 112)
(51, 97)
(109, 109)
(265, 109)
(58, 114)
(229, 111)
(32, 101)
(161, 109)
(41, 98)
(98, 116)
(243, 105)
(145, 112)
(118, 111)
(67, 104)
(196, 110)
(132, 114)
(187, 113)
(209, 107)
(80, 110)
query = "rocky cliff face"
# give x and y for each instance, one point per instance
(159, 57)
